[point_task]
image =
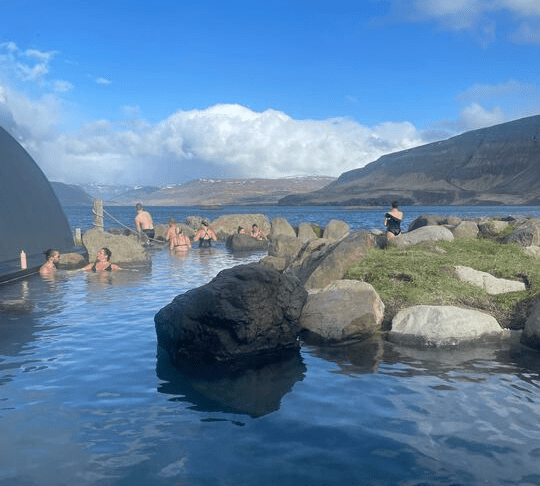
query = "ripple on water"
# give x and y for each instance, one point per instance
(84, 400)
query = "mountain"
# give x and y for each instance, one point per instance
(495, 165)
(222, 192)
(71, 195)
(117, 193)
(200, 192)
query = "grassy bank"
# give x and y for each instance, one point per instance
(424, 274)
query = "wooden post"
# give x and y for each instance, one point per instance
(78, 237)
(98, 214)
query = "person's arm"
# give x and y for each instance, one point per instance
(137, 224)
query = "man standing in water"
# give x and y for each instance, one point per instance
(144, 223)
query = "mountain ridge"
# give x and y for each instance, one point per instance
(493, 165)
(197, 192)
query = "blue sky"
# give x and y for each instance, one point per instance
(163, 92)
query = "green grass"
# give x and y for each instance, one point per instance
(424, 274)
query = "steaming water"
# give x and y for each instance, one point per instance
(84, 399)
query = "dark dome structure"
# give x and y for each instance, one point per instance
(31, 217)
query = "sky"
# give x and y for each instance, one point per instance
(164, 92)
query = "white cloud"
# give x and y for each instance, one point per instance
(31, 120)
(501, 102)
(526, 34)
(62, 86)
(475, 116)
(511, 88)
(222, 140)
(41, 56)
(103, 81)
(479, 17)
(523, 8)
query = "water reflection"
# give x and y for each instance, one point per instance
(488, 356)
(253, 392)
(357, 358)
(23, 303)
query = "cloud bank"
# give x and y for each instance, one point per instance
(220, 141)
(224, 140)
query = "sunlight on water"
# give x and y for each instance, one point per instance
(86, 400)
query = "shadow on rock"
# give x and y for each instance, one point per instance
(253, 391)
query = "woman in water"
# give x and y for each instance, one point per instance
(257, 233)
(392, 221)
(102, 263)
(205, 235)
(178, 241)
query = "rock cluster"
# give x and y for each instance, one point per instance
(256, 312)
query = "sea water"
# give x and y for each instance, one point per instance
(86, 400)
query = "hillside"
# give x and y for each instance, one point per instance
(200, 192)
(71, 195)
(495, 165)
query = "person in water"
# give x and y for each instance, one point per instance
(171, 232)
(52, 257)
(102, 263)
(257, 233)
(144, 223)
(392, 221)
(205, 235)
(178, 241)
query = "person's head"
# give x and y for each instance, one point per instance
(138, 207)
(172, 222)
(52, 254)
(204, 222)
(106, 252)
(394, 204)
(240, 229)
(254, 226)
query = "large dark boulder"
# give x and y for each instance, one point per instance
(247, 315)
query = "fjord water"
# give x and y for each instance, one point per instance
(86, 400)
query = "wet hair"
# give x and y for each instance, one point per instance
(50, 252)
(394, 204)
(107, 252)
(138, 206)
(204, 222)
(240, 229)
(172, 221)
(254, 225)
